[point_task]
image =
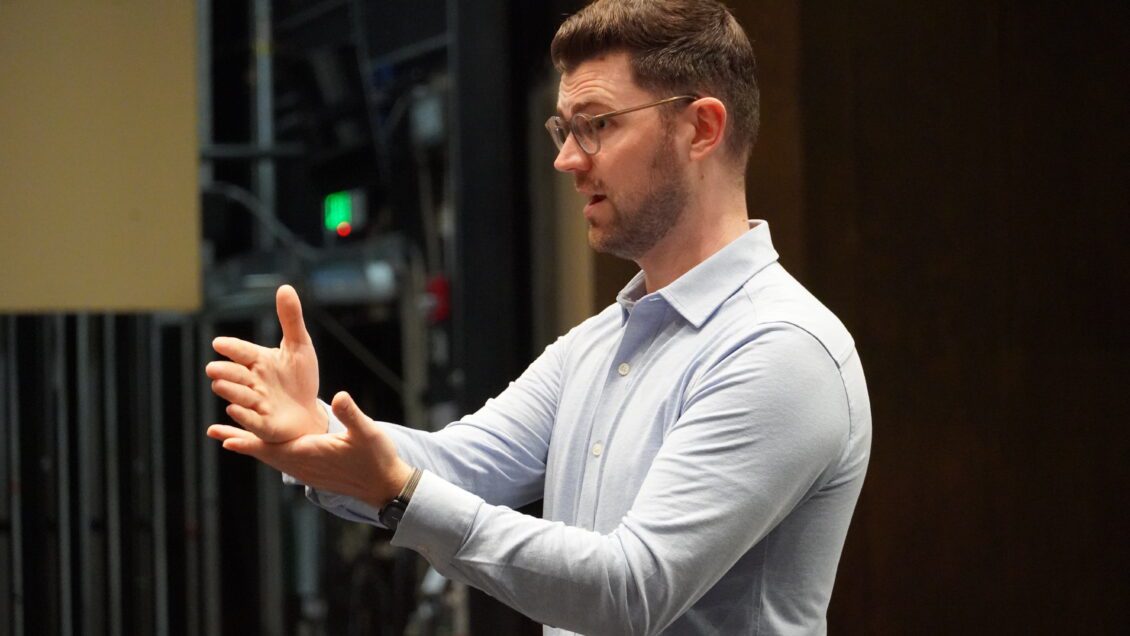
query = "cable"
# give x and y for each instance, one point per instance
(252, 204)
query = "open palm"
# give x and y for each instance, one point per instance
(273, 392)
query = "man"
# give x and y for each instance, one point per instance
(700, 444)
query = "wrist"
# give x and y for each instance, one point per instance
(392, 487)
(401, 480)
(392, 512)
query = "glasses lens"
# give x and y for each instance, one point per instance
(585, 132)
(556, 127)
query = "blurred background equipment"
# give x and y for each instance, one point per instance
(364, 151)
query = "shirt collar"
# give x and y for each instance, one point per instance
(698, 293)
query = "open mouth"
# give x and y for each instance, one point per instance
(596, 198)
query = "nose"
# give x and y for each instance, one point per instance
(571, 158)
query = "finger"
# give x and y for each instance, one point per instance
(245, 417)
(290, 316)
(246, 443)
(238, 350)
(237, 394)
(224, 431)
(252, 446)
(350, 414)
(230, 371)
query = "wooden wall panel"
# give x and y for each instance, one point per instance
(964, 183)
(774, 189)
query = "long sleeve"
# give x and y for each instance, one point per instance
(757, 437)
(498, 452)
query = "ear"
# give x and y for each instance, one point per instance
(709, 127)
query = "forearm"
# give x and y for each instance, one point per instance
(498, 452)
(556, 574)
(477, 459)
(502, 469)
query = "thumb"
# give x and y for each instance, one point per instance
(350, 414)
(290, 316)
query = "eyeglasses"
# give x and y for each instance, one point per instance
(586, 128)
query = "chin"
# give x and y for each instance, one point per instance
(602, 243)
(597, 239)
(594, 237)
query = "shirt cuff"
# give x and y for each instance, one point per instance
(438, 519)
(347, 507)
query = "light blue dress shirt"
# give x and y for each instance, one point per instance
(700, 450)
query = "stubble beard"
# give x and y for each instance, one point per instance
(639, 223)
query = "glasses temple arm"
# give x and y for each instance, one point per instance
(635, 108)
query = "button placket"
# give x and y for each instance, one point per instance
(638, 333)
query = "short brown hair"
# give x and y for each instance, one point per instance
(675, 46)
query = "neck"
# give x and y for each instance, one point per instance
(711, 221)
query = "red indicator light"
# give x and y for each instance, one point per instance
(343, 229)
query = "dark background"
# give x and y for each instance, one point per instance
(952, 180)
(962, 187)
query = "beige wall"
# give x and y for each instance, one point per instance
(99, 207)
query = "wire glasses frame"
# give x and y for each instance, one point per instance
(586, 128)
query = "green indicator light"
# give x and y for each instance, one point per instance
(337, 209)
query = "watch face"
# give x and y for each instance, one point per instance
(391, 514)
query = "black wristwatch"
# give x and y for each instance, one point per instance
(393, 511)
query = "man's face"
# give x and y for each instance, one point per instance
(635, 184)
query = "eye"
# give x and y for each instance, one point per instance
(600, 124)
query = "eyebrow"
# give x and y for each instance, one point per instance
(580, 106)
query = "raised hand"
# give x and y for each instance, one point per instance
(360, 462)
(273, 391)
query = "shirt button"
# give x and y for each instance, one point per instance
(624, 368)
(597, 449)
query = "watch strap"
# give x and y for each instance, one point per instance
(410, 486)
(391, 514)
